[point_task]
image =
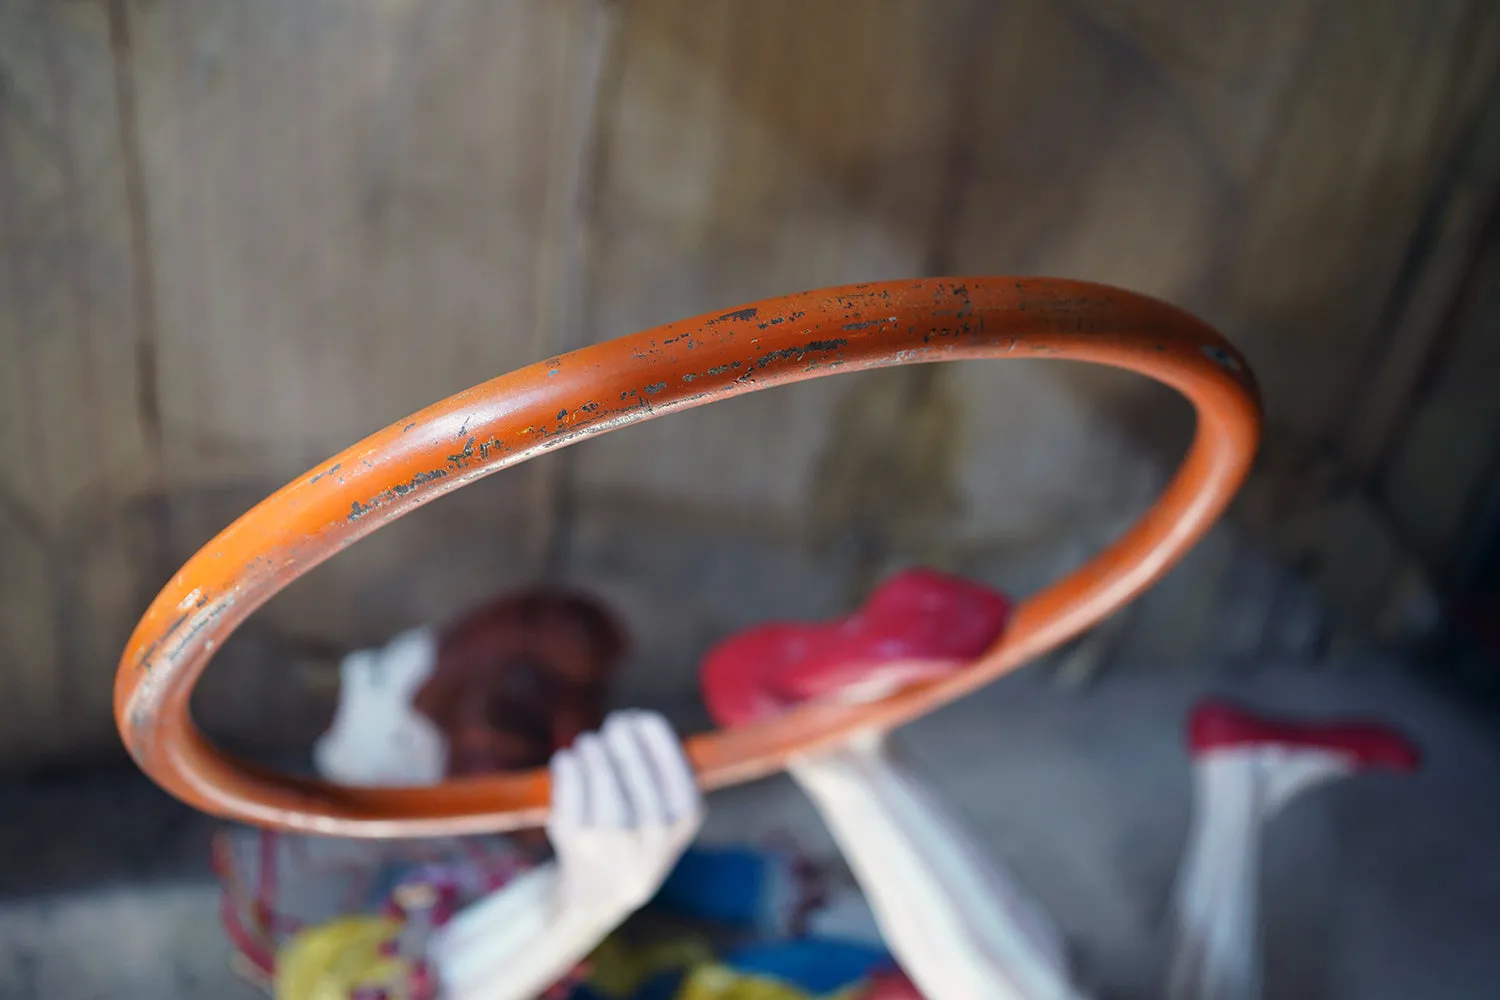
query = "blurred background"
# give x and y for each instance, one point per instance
(239, 236)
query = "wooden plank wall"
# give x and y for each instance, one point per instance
(77, 436)
(240, 234)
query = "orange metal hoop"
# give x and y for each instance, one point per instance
(597, 389)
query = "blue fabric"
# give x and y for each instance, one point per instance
(723, 885)
(730, 886)
(814, 965)
(663, 986)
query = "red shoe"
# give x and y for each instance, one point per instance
(917, 625)
(1217, 725)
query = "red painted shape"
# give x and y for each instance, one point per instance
(1216, 725)
(918, 624)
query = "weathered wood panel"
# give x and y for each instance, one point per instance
(354, 211)
(76, 422)
(241, 234)
(749, 150)
(1447, 453)
(1267, 165)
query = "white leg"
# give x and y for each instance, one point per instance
(959, 924)
(1215, 948)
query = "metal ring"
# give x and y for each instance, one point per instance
(597, 389)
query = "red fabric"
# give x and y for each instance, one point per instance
(917, 624)
(890, 985)
(1216, 724)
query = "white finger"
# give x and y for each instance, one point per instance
(678, 783)
(408, 660)
(606, 807)
(643, 788)
(567, 789)
(356, 673)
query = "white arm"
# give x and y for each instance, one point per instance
(625, 805)
(959, 925)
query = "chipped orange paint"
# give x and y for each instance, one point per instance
(597, 389)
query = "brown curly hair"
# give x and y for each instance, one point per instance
(520, 676)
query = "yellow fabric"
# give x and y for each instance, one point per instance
(618, 968)
(715, 982)
(330, 961)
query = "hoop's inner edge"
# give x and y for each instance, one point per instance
(774, 342)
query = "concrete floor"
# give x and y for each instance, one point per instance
(1381, 887)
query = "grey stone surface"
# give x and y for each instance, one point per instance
(134, 940)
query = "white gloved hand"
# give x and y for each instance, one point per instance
(625, 805)
(377, 738)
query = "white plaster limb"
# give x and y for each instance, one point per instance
(625, 805)
(1215, 951)
(959, 924)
